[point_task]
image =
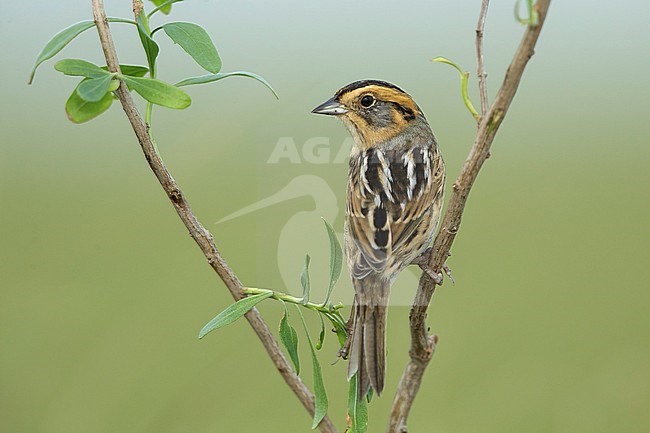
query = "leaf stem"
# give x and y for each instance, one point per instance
(294, 300)
(121, 20)
(155, 30)
(464, 77)
(466, 100)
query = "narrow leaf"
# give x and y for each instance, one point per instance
(80, 68)
(533, 16)
(289, 338)
(336, 260)
(320, 395)
(150, 46)
(464, 76)
(80, 111)
(352, 400)
(216, 77)
(158, 92)
(321, 336)
(234, 312)
(63, 38)
(304, 280)
(94, 89)
(196, 42)
(58, 42)
(131, 70)
(448, 62)
(357, 410)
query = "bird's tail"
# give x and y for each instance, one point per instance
(368, 347)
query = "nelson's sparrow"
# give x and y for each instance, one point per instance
(394, 199)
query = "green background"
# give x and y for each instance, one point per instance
(102, 292)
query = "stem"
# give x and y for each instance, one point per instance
(482, 76)
(121, 20)
(293, 300)
(422, 344)
(199, 233)
(331, 312)
(157, 29)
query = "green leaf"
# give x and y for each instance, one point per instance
(58, 42)
(63, 38)
(533, 16)
(336, 260)
(340, 327)
(150, 46)
(289, 338)
(114, 85)
(164, 6)
(158, 92)
(216, 77)
(80, 68)
(131, 70)
(357, 410)
(321, 336)
(304, 280)
(80, 111)
(234, 312)
(196, 42)
(320, 395)
(94, 89)
(464, 77)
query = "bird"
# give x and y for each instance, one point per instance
(394, 199)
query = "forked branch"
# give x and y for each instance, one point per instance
(423, 345)
(199, 233)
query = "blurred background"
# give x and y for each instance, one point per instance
(103, 292)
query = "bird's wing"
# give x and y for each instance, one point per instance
(390, 195)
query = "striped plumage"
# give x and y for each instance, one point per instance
(394, 199)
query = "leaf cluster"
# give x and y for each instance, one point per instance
(288, 334)
(94, 94)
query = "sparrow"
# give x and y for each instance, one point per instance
(394, 199)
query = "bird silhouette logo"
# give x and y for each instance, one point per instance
(300, 235)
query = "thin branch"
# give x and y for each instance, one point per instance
(423, 345)
(482, 76)
(198, 232)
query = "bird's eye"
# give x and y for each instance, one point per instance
(367, 101)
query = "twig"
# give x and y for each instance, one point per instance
(199, 233)
(482, 86)
(423, 345)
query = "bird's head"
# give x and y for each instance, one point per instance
(374, 111)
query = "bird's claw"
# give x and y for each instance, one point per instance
(345, 350)
(423, 262)
(447, 270)
(437, 278)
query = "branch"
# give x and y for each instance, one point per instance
(423, 345)
(482, 86)
(201, 236)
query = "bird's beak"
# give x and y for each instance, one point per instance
(331, 107)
